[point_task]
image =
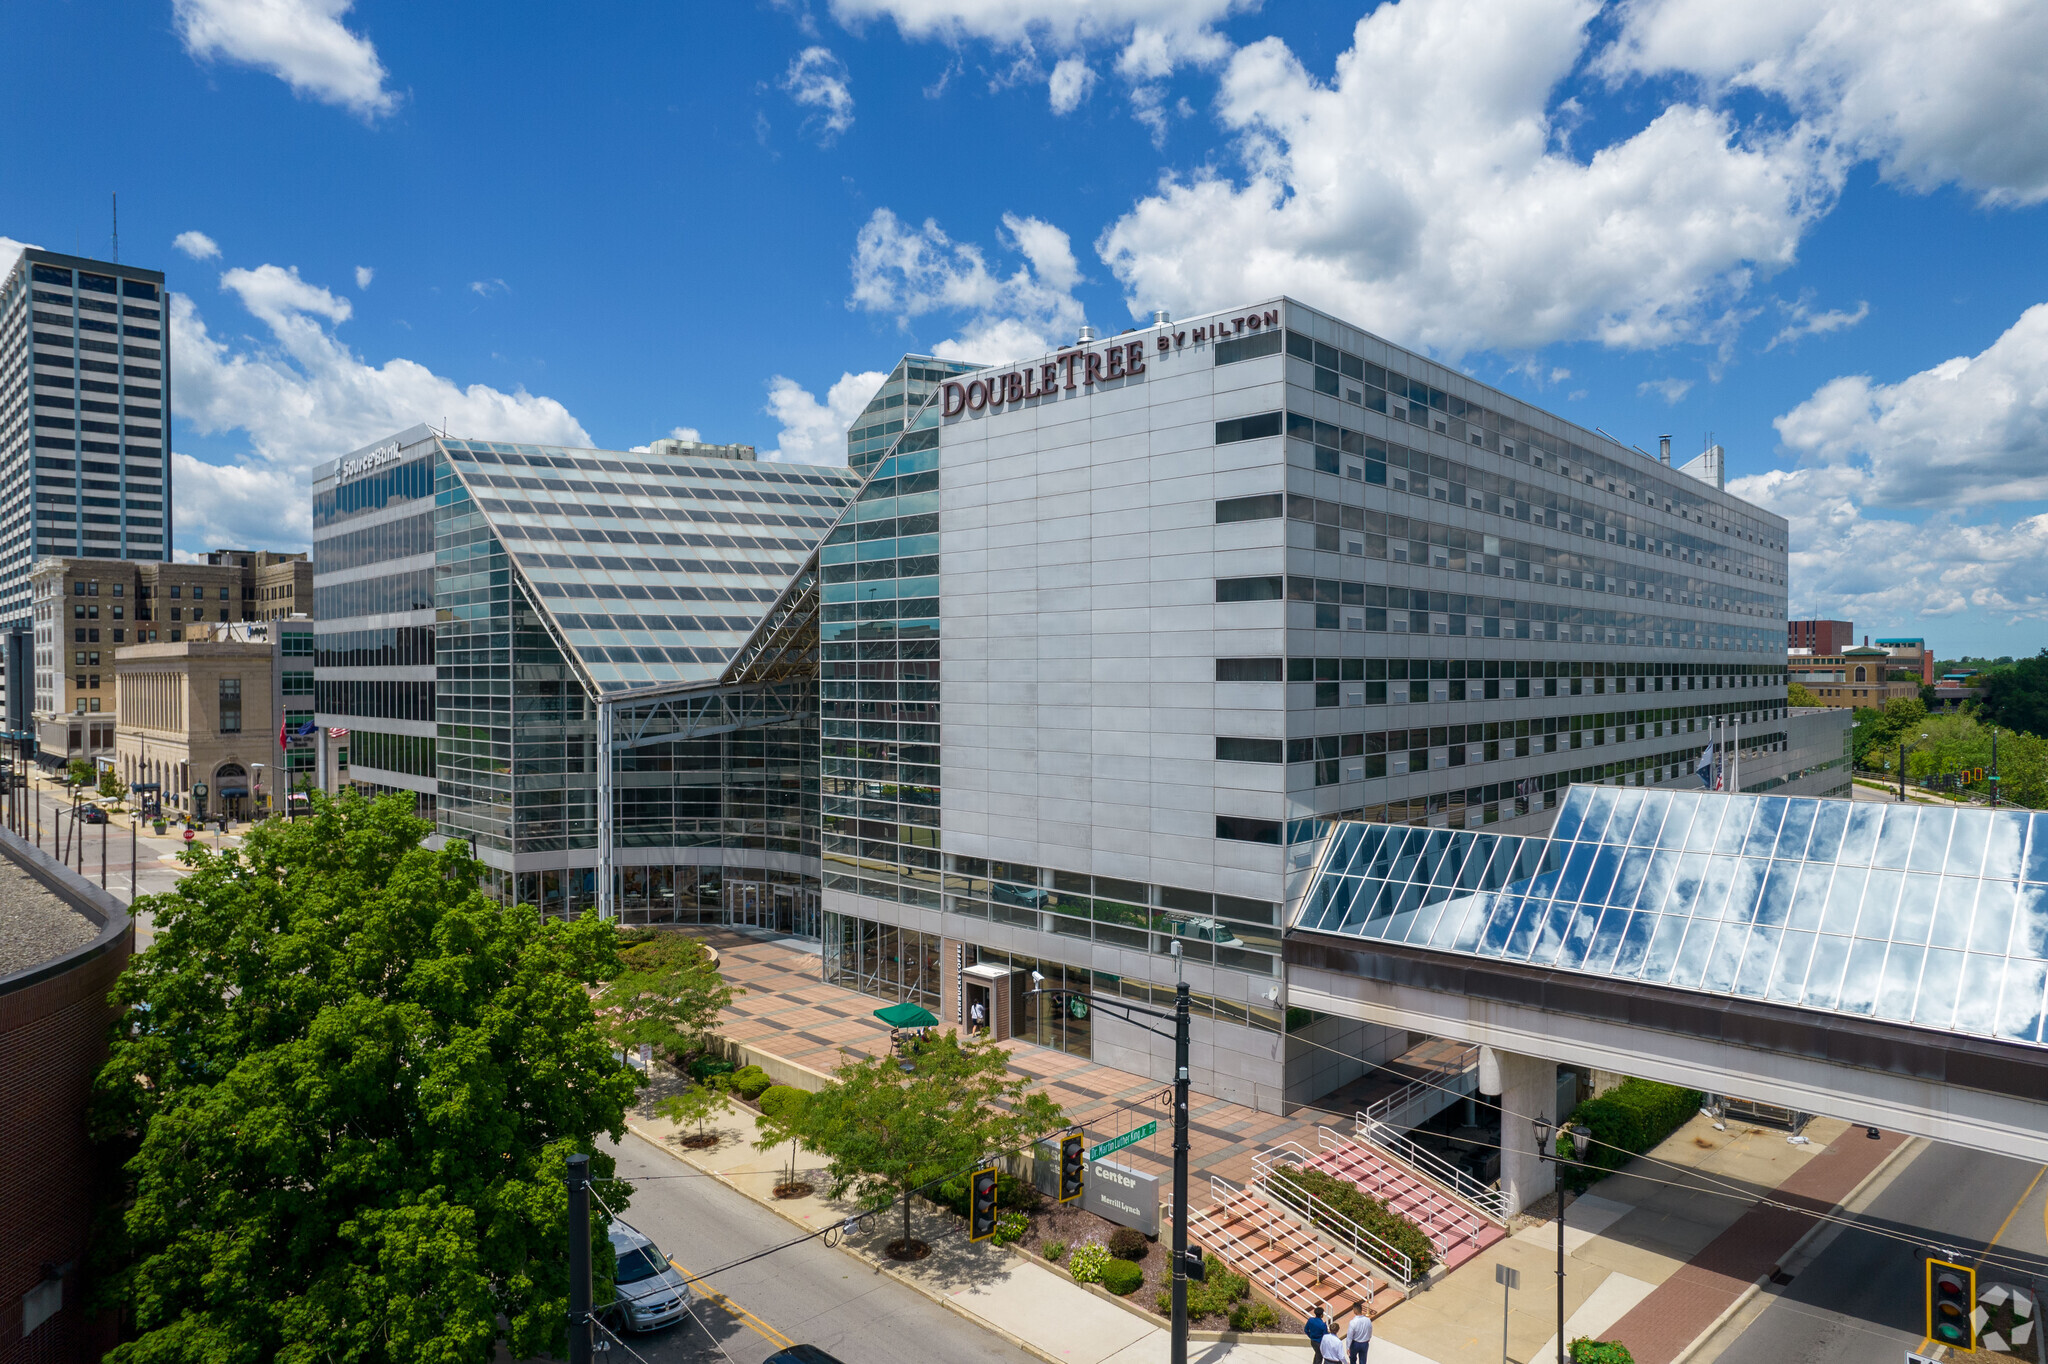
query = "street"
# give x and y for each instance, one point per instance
(809, 1293)
(1862, 1297)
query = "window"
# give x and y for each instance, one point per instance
(1260, 508)
(1245, 830)
(231, 705)
(1247, 750)
(1248, 589)
(1248, 670)
(1247, 348)
(1248, 428)
(176, 590)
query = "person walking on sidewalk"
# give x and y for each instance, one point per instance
(1316, 1330)
(1333, 1348)
(1358, 1335)
(977, 1018)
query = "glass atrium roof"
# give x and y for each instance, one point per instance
(1933, 917)
(655, 568)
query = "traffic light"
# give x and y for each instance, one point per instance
(981, 1204)
(1951, 1304)
(1071, 1166)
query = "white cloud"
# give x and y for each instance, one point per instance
(1936, 94)
(1423, 191)
(487, 288)
(1801, 320)
(1072, 80)
(1881, 501)
(910, 271)
(818, 80)
(301, 42)
(197, 245)
(300, 395)
(364, 274)
(1670, 390)
(1152, 37)
(814, 432)
(10, 250)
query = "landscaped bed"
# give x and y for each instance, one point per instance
(1066, 1229)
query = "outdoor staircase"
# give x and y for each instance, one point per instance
(1456, 1230)
(1254, 1239)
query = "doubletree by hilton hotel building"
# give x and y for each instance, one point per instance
(1080, 658)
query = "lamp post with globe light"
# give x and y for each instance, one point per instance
(1547, 1133)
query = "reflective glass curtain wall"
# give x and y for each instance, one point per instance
(1933, 917)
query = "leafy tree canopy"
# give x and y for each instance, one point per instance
(1796, 694)
(2016, 697)
(887, 1132)
(668, 993)
(347, 1084)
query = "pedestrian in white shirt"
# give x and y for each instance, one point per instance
(977, 1019)
(1333, 1348)
(1359, 1333)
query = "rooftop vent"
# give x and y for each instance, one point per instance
(1087, 333)
(1160, 317)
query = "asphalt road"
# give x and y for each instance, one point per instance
(1862, 1298)
(809, 1293)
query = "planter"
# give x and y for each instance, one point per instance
(159, 827)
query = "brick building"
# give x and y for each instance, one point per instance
(67, 944)
(1821, 636)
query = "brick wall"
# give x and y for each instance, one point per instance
(53, 1037)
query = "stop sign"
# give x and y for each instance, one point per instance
(188, 835)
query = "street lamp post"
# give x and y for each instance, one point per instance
(1994, 767)
(1180, 1036)
(1546, 1150)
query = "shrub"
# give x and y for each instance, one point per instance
(1128, 1243)
(1627, 1120)
(1588, 1351)
(751, 1082)
(783, 1101)
(1054, 1249)
(1213, 1296)
(1011, 1226)
(1348, 1200)
(1252, 1315)
(1121, 1277)
(1087, 1262)
(704, 1067)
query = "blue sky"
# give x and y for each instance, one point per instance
(1813, 228)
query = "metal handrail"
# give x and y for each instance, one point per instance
(1281, 1284)
(1409, 1093)
(1488, 1199)
(1468, 1222)
(1319, 1213)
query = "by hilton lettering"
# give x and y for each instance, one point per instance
(1074, 369)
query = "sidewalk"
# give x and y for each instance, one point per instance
(1648, 1264)
(1031, 1306)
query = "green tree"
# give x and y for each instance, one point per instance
(78, 772)
(668, 993)
(342, 1093)
(694, 1106)
(2016, 696)
(887, 1131)
(1796, 694)
(111, 784)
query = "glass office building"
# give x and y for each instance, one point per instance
(478, 600)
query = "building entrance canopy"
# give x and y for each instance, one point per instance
(1932, 918)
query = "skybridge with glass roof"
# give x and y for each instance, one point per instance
(1873, 961)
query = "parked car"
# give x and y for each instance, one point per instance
(650, 1293)
(801, 1354)
(91, 814)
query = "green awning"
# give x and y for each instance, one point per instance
(907, 1015)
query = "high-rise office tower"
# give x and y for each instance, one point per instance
(85, 398)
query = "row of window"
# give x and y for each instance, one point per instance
(1605, 676)
(383, 700)
(407, 646)
(599, 535)
(1396, 752)
(408, 753)
(662, 624)
(410, 591)
(817, 476)
(1347, 606)
(103, 284)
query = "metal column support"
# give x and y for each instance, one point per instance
(605, 908)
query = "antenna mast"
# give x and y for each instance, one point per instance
(116, 198)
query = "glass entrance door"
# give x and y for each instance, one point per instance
(746, 904)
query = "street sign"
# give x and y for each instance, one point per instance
(1507, 1277)
(1912, 1358)
(1115, 1144)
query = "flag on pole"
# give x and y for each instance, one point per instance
(338, 732)
(1708, 770)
